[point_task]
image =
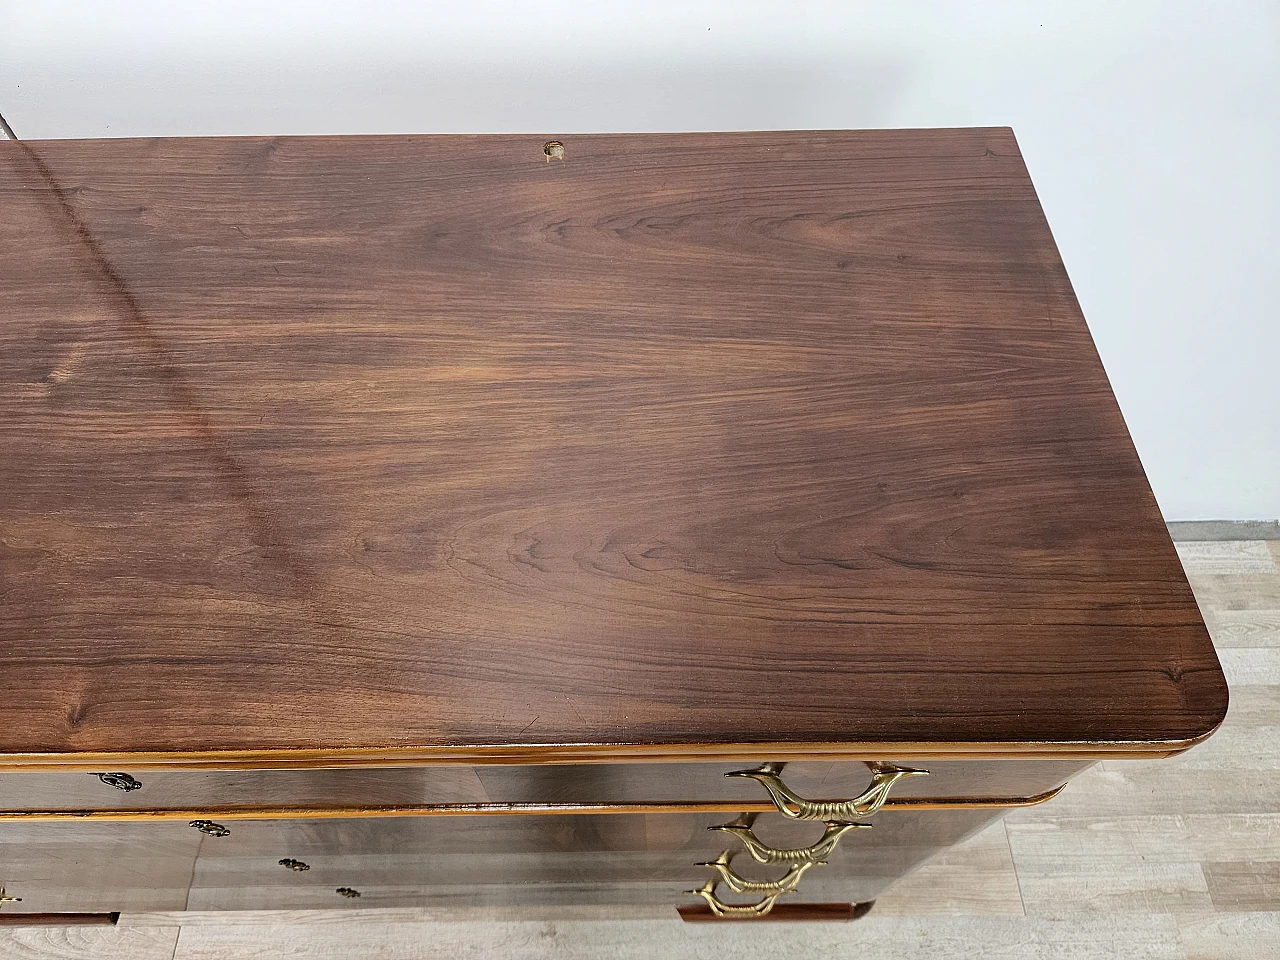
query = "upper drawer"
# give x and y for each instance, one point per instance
(555, 784)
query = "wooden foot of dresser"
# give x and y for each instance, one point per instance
(701, 913)
(58, 919)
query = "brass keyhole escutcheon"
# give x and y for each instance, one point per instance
(121, 781)
(553, 150)
(347, 892)
(211, 829)
(297, 865)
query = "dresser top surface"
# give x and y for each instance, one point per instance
(673, 445)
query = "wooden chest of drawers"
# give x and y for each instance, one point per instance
(398, 520)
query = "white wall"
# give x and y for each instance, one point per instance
(1151, 130)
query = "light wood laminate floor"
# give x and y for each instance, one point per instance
(1176, 859)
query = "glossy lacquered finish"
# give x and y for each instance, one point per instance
(96, 867)
(566, 859)
(670, 446)
(359, 494)
(838, 912)
(605, 784)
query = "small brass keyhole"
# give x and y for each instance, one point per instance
(210, 829)
(553, 150)
(121, 781)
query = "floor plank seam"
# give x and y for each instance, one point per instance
(1017, 877)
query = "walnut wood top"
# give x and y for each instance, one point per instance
(419, 447)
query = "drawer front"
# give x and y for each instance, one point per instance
(213, 789)
(565, 859)
(569, 784)
(95, 867)
(669, 894)
(826, 779)
(442, 860)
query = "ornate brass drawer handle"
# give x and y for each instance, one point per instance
(763, 853)
(740, 911)
(740, 884)
(790, 804)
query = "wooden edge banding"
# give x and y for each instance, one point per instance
(57, 919)
(701, 913)
(481, 809)
(605, 753)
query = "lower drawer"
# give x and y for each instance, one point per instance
(566, 859)
(96, 867)
(613, 893)
(446, 860)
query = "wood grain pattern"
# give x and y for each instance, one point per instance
(95, 942)
(964, 903)
(871, 938)
(1239, 936)
(1246, 886)
(682, 443)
